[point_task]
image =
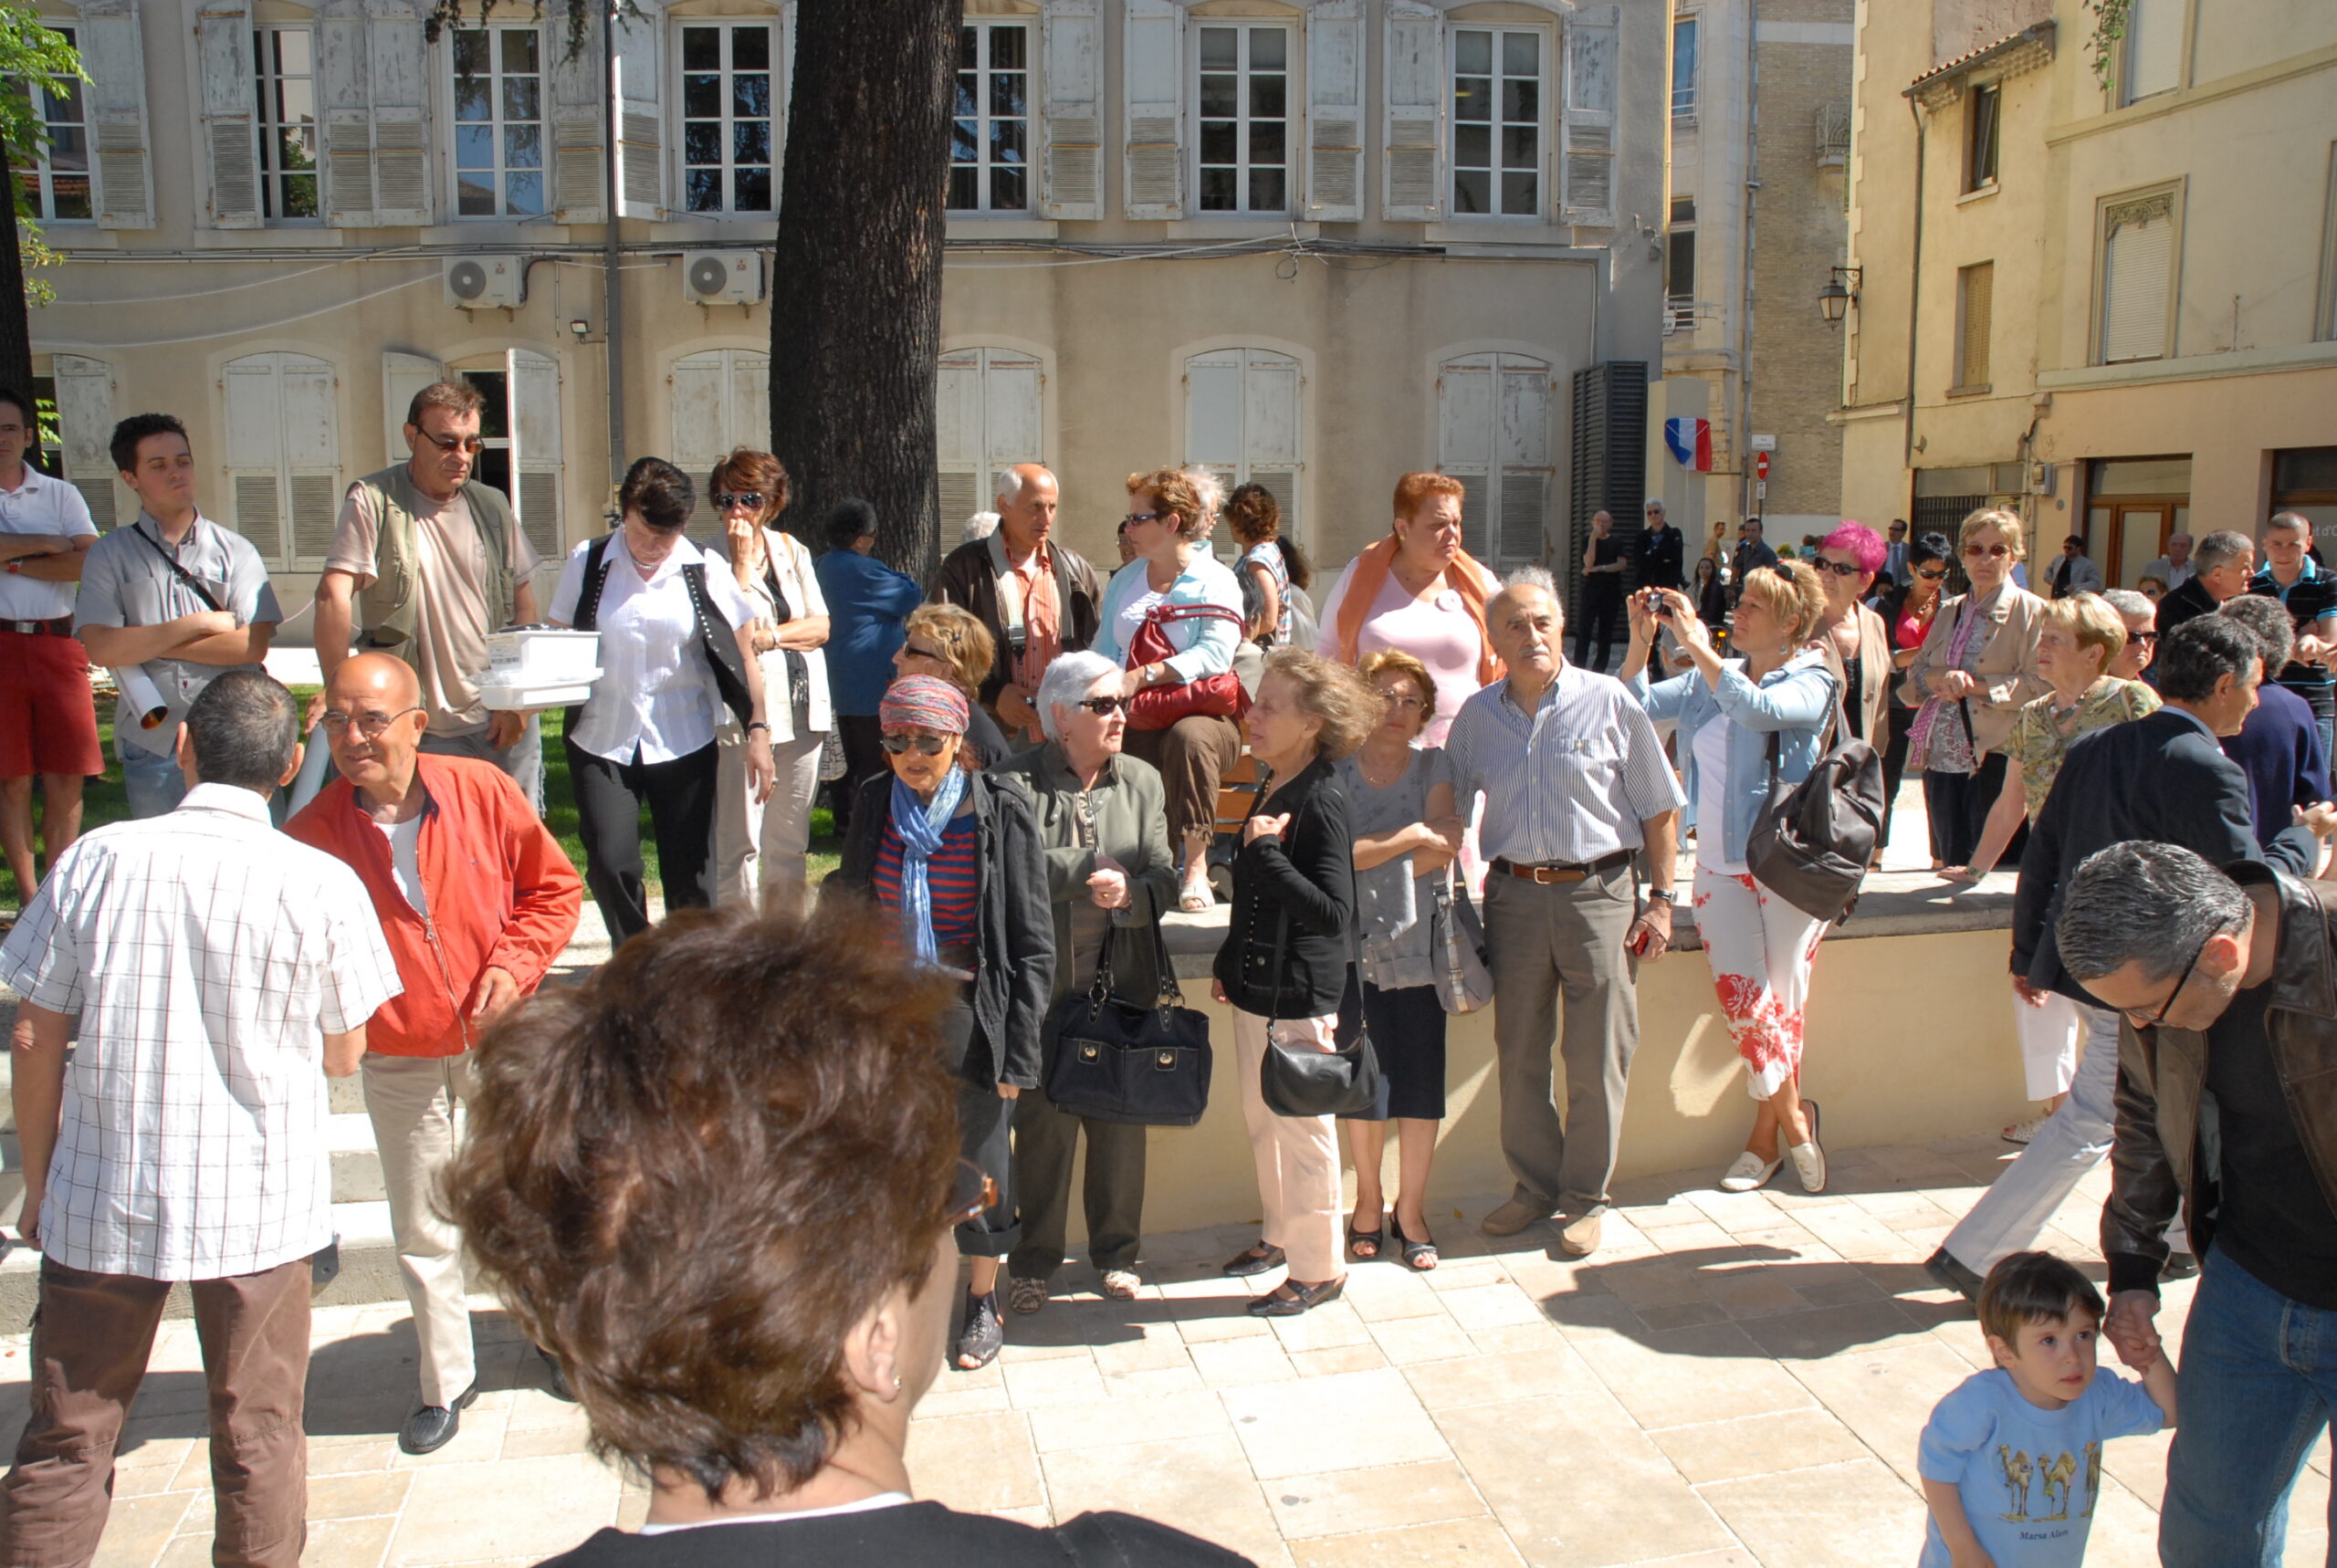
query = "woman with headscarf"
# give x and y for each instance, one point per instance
(955, 856)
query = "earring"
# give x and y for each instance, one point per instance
(897, 1383)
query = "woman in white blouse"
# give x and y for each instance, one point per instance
(667, 625)
(760, 847)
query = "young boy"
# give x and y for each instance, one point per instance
(2011, 1461)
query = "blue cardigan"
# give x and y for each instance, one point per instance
(1794, 700)
(1205, 645)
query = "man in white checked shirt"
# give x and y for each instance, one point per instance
(221, 971)
(1576, 786)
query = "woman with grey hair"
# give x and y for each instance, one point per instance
(1103, 822)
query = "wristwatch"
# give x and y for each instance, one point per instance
(1664, 893)
(757, 725)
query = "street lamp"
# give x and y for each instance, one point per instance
(1842, 292)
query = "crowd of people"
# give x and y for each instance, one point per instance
(720, 1180)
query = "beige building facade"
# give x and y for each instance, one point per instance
(1753, 227)
(1308, 244)
(2108, 297)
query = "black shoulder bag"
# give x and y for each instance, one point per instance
(1302, 1081)
(1110, 1059)
(1812, 842)
(717, 639)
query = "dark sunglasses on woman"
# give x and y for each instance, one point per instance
(929, 745)
(751, 499)
(1103, 707)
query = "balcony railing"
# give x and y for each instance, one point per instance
(1833, 134)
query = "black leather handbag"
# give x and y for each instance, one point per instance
(1115, 1061)
(1307, 1083)
(1812, 842)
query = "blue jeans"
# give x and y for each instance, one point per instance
(154, 784)
(2260, 1375)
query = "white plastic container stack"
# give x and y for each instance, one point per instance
(540, 666)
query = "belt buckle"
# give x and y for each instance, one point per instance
(1547, 875)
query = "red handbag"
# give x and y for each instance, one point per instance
(1211, 697)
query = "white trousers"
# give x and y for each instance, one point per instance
(1297, 1156)
(756, 847)
(2049, 1037)
(412, 1101)
(1761, 950)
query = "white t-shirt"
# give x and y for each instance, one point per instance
(1130, 619)
(1711, 798)
(40, 505)
(405, 859)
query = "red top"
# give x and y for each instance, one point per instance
(951, 878)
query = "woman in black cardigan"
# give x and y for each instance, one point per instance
(1288, 946)
(954, 857)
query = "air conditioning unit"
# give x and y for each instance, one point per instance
(485, 282)
(722, 276)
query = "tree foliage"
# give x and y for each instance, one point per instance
(30, 51)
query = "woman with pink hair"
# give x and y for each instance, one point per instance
(1856, 643)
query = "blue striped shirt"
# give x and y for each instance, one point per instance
(1572, 782)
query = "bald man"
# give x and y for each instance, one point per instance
(1038, 597)
(477, 901)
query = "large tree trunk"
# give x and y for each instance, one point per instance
(856, 325)
(16, 325)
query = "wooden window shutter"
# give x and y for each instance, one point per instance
(255, 416)
(536, 448)
(1977, 286)
(1414, 90)
(1587, 145)
(115, 57)
(223, 47)
(640, 143)
(400, 96)
(311, 456)
(1153, 82)
(345, 107)
(1335, 112)
(1071, 168)
(1465, 417)
(2137, 267)
(1524, 443)
(402, 375)
(699, 385)
(957, 435)
(85, 425)
(580, 94)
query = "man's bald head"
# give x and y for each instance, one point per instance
(374, 722)
(1027, 495)
(390, 682)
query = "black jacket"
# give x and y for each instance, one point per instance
(1014, 935)
(2188, 602)
(1660, 560)
(2161, 777)
(910, 1535)
(1308, 875)
(965, 579)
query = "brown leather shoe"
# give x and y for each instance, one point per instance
(1513, 1216)
(1580, 1236)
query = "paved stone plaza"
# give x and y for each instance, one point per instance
(1734, 1380)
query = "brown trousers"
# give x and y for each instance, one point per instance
(91, 1336)
(1192, 755)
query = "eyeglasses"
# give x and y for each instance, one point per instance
(972, 1194)
(2142, 637)
(1973, 553)
(751, 499)
(1144, 517)
(369, 724)
(1103, 707)
(1838, 568)
(1931, 573)
(1404, 699)
(2159, 1017)
(470, 444)
(928, 745)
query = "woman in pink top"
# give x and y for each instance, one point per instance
(1416, 592)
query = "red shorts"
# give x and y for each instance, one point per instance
(49, 722)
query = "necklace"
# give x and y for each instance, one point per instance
(1375, 778)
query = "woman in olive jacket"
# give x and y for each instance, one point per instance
(1289, 948)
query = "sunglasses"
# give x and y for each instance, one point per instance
(1973, 553)
(1838, 568)
(1103, 707)
(1144, 517)
(972, 1194)
(470, 444)
(928, 744)
(751, 499)
(1931, 573)
(2143, 637)
(369, 724)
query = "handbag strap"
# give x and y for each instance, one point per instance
(185, 576)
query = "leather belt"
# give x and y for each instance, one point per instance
(60, 627)
(1554, 873)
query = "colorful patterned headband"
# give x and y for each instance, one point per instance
(922, 702)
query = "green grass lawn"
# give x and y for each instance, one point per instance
(103, 800)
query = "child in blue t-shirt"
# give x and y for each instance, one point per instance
(2011, 1460)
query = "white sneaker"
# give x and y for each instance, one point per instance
(1809, 1165)
(2021, 1131)
(1749, 1173)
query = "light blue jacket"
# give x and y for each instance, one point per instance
(1205, 644)
(1794, 700)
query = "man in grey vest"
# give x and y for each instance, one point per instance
(430, 561)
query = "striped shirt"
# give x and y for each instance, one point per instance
(1570, 782)
(952, 877)
(207, 954)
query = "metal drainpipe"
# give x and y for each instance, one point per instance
(1745, 307)
(613, 298)
(1914, 299)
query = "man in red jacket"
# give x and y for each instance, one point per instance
(477, 901)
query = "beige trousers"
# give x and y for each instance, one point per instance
(1297, 1156)
(412, 1101)
(756, 847)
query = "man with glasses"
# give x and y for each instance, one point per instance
(1662, 562)
(2163, 778)
(477, 901)
(1894, 553)
(1038, 597)
(2075, 572)
(2223, 1108)
(431, 560)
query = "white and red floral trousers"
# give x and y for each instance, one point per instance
(1761, 950)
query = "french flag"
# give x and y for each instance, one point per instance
(1691, 441)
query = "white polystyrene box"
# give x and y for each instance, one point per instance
(540, 666)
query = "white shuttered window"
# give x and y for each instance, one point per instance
(85, 426)
(2137, 274)
(1242, 422)
(56, 183)
(987, 419)
(283, 456)
(1493, 419)
(2153, 48)
(721, 400)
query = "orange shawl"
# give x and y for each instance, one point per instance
(1465, 577)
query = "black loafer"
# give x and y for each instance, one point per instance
(1290, 1298)
(431, 1427)
(2179, 1266)
(1258, 1260)
(1952, 1275)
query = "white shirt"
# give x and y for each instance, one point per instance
(207, 954)
(866, 1505)
(405, 859)
(1710, 744)
(40, 505)
(656, 697)
(799, 586)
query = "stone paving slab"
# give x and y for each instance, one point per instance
(1736, 1380)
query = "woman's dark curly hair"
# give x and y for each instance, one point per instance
(690, 1176)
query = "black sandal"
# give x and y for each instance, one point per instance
(1357, 1237)
(1258, 1260)
(1290, 1298)
(983, 1335)
(1418, 1256)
